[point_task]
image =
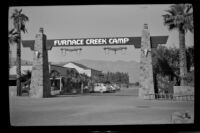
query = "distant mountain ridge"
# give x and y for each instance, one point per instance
(23, 62)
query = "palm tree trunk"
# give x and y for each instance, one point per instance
(18, 65)
(182, 57)
(81, 87)
(9, 56)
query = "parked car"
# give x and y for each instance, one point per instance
(25, 89)
(54, 90)
(100, 87)
(86, 89)
(111, 88)
(116, 87)
(25, 86)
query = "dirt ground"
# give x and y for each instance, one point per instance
(118, 108)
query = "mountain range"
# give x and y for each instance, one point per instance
(23, 62)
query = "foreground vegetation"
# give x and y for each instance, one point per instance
(166, 67)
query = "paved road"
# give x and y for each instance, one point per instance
(93, 110)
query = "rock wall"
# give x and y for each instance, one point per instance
(40, 82)
(146, 69)
(12, 91)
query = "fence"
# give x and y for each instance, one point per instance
(169, 97)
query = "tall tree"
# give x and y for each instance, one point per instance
(19, 21)
(53, 75)
(190, 58)
(180, 17)
(13, 37)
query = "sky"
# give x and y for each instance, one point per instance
(95, 21)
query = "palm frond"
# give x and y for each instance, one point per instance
(13, 38)
(179, 16)
(171, 12)
(189, 27)
(188, 8)
(19, 20)
(24, 18)
(20, 11)
(23, 28)
(11, 31)
(179, 8)
(16, 11)
(172, 27)
(188, 20)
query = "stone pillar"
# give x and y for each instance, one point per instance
(146, 68)
(40, 79)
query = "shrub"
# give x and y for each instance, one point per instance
(137, 83)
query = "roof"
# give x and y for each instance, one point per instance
(96, 70)
(136, 41)
(80, 65)
(61, 70)
(12, 70)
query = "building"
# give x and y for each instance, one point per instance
(84, 69)
(24, 69)
(58, 75)
(13, 75)
(61, 71)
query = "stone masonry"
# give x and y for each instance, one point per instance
(146, 69)
(40, 82)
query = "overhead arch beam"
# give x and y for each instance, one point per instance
(109, 41)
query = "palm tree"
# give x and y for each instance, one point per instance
(26, 81)
(83, 79)
(13, 37)
(26, 76)
(53, 75)
(19, 20)
(180, 17)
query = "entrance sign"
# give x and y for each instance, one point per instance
(40, 83)
(107, 41)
